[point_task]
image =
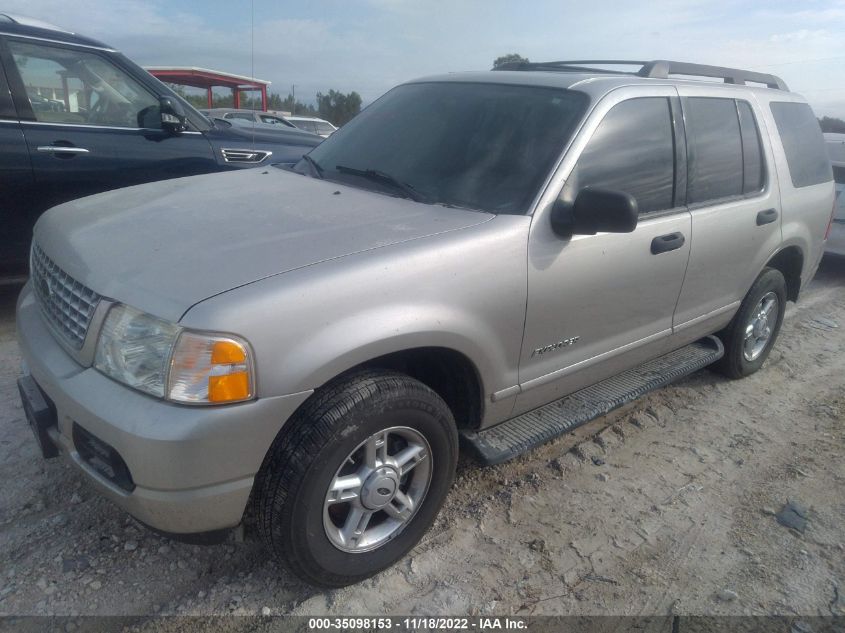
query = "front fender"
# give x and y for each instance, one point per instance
(464, 290)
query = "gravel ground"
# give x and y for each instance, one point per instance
(666, 506)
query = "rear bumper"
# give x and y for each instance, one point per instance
(193, 467)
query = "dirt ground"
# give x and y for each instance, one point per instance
(664, 507)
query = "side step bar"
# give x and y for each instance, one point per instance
(507, 440)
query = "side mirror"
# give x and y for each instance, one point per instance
(595, 211)
(173, 117)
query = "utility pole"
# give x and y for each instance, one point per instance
(293, 94)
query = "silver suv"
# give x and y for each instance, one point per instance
(494, 257)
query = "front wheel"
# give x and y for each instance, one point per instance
(752, 332)
(356, 477)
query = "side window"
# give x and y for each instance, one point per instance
(70, 86)
(752, 151)
(308, 126)
(275, 120)
(803, 143)
(633, 151)
(715, 149)
(244, 116)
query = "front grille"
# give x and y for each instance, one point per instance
(66, 304)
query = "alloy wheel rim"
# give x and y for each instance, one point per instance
(377, 490)
(761, 325)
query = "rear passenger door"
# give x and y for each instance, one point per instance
(732, 195)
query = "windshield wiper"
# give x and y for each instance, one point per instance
(383, 177)
(315, 167)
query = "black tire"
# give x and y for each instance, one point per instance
(734, 363)
(291, 488)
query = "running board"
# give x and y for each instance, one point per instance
(507, 440)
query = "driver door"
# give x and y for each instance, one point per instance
(600, 304)
(79, 112)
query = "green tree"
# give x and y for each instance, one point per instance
(298, 108)
(337, 107)
(832, 124)
(509, 58)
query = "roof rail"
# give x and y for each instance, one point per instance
(12, 18)
(656, 69)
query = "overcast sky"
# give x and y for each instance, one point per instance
(371, 45)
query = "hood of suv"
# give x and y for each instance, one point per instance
(165, 246)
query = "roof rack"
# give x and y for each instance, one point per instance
(656, 69)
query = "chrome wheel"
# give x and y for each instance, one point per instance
(759, 330)
(377, 490)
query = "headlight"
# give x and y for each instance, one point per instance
(168, 361)
(134, 348)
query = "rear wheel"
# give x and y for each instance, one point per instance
(751, 334)
(356, 477)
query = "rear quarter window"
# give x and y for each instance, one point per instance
(803, 143)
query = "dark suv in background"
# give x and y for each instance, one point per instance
(77, 118)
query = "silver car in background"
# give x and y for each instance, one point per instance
(836, 151)
(313, 124)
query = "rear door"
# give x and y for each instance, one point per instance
(732, 195)
(16, 188)
(90, 125)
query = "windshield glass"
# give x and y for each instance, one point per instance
(474, 145)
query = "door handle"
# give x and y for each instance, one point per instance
(61, 149)
(666, 243)
(767, 217)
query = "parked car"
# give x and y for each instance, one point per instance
(496, 256)
(77, 117)
(256, 116)
(313, 124)
(265, 128)
(836, 151)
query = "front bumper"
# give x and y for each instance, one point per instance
(193, 467)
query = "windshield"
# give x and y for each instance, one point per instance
(474, 145)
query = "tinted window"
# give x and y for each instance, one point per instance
(244, 116)
(839, 174)
(752, 152)
(323, 128)
(308, 126)
(632, 150)
(70, 86)
(803, 143)
(715, 149)
(476, 145)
